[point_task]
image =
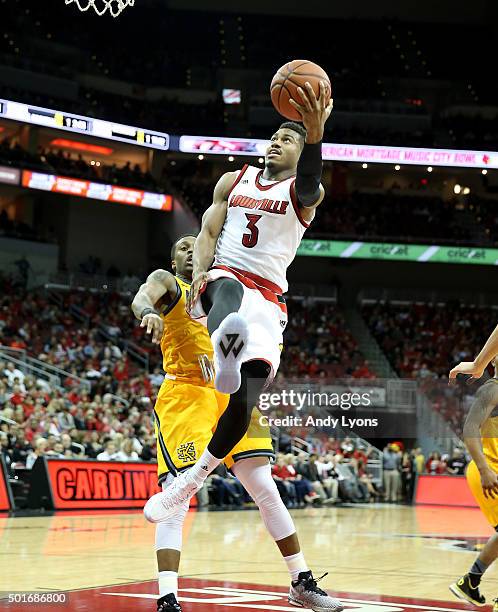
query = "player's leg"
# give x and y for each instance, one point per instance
(221, 298)
(265, 319)
(255, 476)
(168, 551)
(231, 428)
(221, 301)
(185, 417)
(235, 420)
(467, 587)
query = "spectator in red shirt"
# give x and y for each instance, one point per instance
(362, 371)
(92, 423)
(121, 371)
(32, 429)
(281, 476)
(435, 465)
(18, 396)
(18, 344)
(361, 458)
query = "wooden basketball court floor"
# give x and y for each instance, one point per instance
(380, 558)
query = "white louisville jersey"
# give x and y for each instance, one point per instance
(263, 227)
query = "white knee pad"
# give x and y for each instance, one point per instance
(169, 532)
(258, 482)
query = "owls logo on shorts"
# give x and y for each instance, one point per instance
(186, 452)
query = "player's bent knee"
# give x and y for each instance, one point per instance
(169, 533)
(275, 515)
(267, 494)
(256, 477)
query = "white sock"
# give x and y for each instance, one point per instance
(204, 466)
(296, 564)
(168, 583)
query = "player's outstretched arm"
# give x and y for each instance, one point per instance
(314, 112)
(205, 244)
(157, 285)
(476, 368)
(485, 401)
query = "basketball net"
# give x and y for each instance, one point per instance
(115, 7)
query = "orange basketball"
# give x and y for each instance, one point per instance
(291, 76)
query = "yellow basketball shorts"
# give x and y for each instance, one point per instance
(186, 416)
(489, 506)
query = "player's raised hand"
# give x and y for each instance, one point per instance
(467, 367)
(314, 110)
(154, 325)
(198, 283)
(489, 483)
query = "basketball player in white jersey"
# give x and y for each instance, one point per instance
(249, 237)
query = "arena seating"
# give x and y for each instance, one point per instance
(63, 330)
(397, 215)
(409, 215)
(65, 163)
(422, 341)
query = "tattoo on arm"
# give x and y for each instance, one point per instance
(159, 276)
(485, 401)
(158, 283)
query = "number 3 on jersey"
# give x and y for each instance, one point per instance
(251, 240)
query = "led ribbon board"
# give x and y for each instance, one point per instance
(408, 156)
(96, 191)
(222, 145)
(78, 124)
(421, 253)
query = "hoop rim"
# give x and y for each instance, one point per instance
(114, 7)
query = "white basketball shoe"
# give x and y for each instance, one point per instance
(166, 504)
(229, 344)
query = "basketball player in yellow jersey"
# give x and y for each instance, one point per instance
(187, 411)
(481, 439)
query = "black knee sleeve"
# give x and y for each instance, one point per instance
(234, 423)
(220, 298)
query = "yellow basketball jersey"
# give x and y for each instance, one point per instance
(184, 341)
(489, 433)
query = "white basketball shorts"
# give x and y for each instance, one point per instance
(264, 311)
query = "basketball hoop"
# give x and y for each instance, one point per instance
(115, 7)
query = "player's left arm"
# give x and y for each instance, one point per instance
(485, 401)
(159, 284)
(314, 113)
